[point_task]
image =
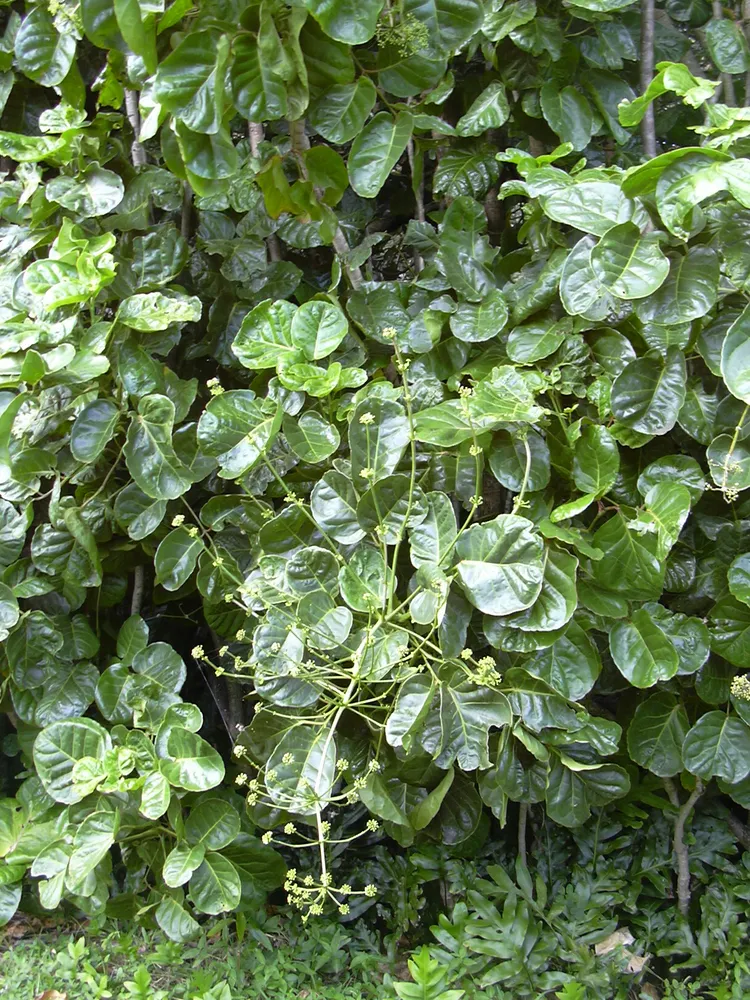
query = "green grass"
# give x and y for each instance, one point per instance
(323, 962)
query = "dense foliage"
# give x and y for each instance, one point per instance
(378, 377)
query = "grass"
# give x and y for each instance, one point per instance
(323, 962)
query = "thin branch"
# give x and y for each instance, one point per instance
(137, 150)
(741, 832)
(136, 600)
(648, 124)
(726, 78)
(680, 847)
(418, 189)
(746, 26)
(257, 134)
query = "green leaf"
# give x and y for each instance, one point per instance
(628, 264)
(340, 112)
(572, 793)
(657, 733)
(596, 461)
(318, 328)
(304, 783)
(155, 311)
(475, 322)
(730, 630)
(192, 764)
(727, 46)
(641, 650)
(648, 394)
(213, 824)
(181, 862)
(378, 436)
(334, 507)
(363, 580)
(346, 21)
(390, 506)
(93, 429)
(149, 452)
(672, 77)
(311, 437)
(176, 557)
(138, 36)
(376, 151)
(630, 565)
(43, 54)
(94, 192)
(409, 711)
(490, 110)
(501, 565)
(738, 578)
(175, 921)
(265, 339)
(718, 746)
(237, 429)
(215, 887)
(591, 206)
(91, 843)
(557, 599)
(58, 748)
(689, 292)
(458, 729)
(568, 113)
(431, 540)
(570, 666)
(735, 357)
(155, 796)
(189, 82)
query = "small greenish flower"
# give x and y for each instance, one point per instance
(178, 520)
(287, 759)
(370, 891)
(466, 654)
(367, 418)
(289, 829)
(740, 687)
(267, 837)
(198, 652)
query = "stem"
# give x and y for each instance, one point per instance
(300, 144)
(523, 815)
(680, 847)
(527, 472)
(746, 26)
(137, 151)
(256, 134)
(136, 599)
(726, 78)
(418, 189)
(648, 125)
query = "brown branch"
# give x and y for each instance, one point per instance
(137, 150)
(726, 78)
(648, 124)
(738, 828)
(136, 600)
(679, 845)
(186, 218)
(256, 134)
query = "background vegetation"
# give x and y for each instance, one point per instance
(373, 455)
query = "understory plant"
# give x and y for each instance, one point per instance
(374, 438)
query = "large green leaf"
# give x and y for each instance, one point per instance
(376, 151)
(568, 113)
(718, 746)
(629, 264)
(643, 653)
(501, 564)
(648, 394)
(340, 113)
(591, 206)
(149, 452)
(237, 429)
(192, 763)
(216, 886)
(490, 110)
(43, 54)
(302, 769)
(458, 728)
(58, 749)
(657, 733)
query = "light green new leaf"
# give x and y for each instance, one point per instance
(94, 192)
(735, 357)
(216, 886)
(265, 339)
(591, 206)
(340, 113)
(58, 748)
(192, 764)
(318, 328)
(155, 311)
(236, 428)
